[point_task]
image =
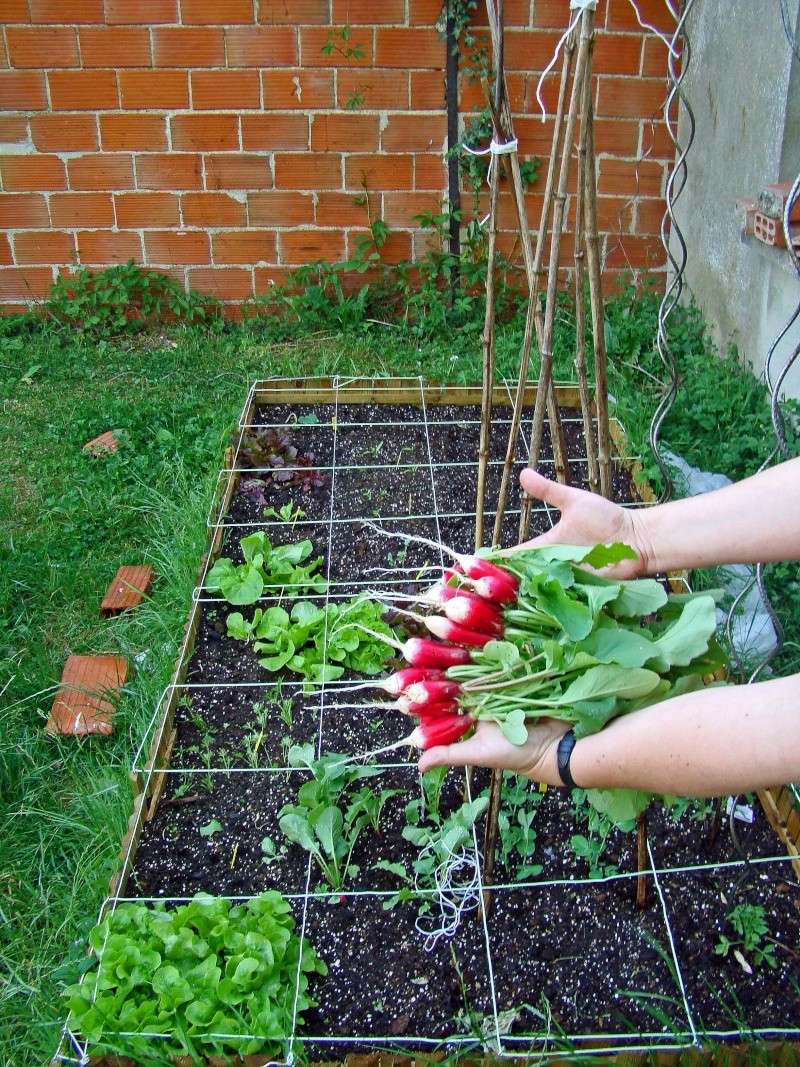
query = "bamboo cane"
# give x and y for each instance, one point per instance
(641, 860)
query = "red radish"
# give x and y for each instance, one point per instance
(498, 590)
(420, 652)
(459, 635)
(400, 681)
(432, 732)
(431, 692)
(475, 613)
(476, 567)
(434, 710)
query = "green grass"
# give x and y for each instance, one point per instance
(68, 521)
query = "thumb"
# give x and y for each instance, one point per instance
(545, 489)
(461, 754)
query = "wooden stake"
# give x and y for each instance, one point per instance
(642, 863)
(490, 838)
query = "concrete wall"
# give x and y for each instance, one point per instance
(744, 89)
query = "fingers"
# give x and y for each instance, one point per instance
(462, 754)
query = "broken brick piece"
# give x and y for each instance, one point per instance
(129, 586)
(84, 703)
(767, 230)
(772, 202)
(105, 443)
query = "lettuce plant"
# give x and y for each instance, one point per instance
(266, 567)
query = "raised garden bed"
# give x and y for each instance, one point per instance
(564, 959)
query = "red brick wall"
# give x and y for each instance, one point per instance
(210, 138)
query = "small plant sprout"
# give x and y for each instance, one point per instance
(749, 922)
(288, 513)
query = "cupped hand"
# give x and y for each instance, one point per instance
(487, 747)
(589, 519)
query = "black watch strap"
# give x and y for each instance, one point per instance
(563, 754)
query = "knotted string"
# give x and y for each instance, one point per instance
(578, 6)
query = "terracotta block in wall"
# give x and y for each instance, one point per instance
(631, 97)
(308, 171)
(428, 90)
(279, 208)
(13, 130)
(305, 246)
(617, 136)
(103, 247)
(188, 47)
(414, 133)
(3, 53)
(515, 12)
(261, 46)
(85, 701)
(294, 12)
(213, 209)
(344, 133)
(430, 172)
(621, 16)
(620, 53)
(170, 248)
(82, 209)
(146, 209)
(400, 47)
(531, 50)
(555, 14)
(32, 173)
(14, 11)
(43, 246)
(225, 284)
(25, 283)
(238, 172)
(213, 133)
(100, 172)
(400, 209)
(217, 12)
(244, 246)
(353, 12)
(154, 89)
(345, 209)
(296, 88)
(123, 133)
(424, 12)
(642, 177)
(656, 142)
(23, 210)
(314, 52)
(634, 251)
(655, 58)
(146, 12)
(83, 90)
(115, 46)
(67, 11)
(41, 46)
(6, 259)
(213, 90)
(271, 133)
(64, 133)
(395, 249)
(378, 89)
(649, 214)
(168, 171)
(22, 91)
(379, 172)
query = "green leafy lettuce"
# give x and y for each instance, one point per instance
(267, 569)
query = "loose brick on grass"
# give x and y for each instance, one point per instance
(128, 588)
(85, 701)
(102, 444)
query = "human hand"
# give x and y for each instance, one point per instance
(487, 747)
(589, 519)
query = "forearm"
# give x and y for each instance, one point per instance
(754, 521)
(722, 740)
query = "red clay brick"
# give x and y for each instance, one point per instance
(171, 247)
(14, 129)
(642, 177)
(188, 47)
(308, 171)
(649, 214)
(654, 60)
(72, 210)
(275, 132)
(531, 50)
(617, 136)
(67, 11)
(630, 251)
(84, 703)
(23, 174)
(244, 246)
(281, 209)
(379, 89)
(410, 133)
(3, 53)
(344, 209)
(22, 91)
(344, 133)
(620, 53)
(234, 89)
(425, 12)
(154, 89)
(103, 247)
(296, 88)
(400, 209)
(353, 12)
(395, 249)
(115, 46)
(169, 171)
(294, 12)
(146, 12)
(128, 588)
(23, 210)
(631, 97)
(14, 11)
(213, 133)
(261, 46)
(6, 259)
(401, 47)
(428, 90)
(430, 172)
(314, 43)
(83, 90)
(553, 13)
(212, 209)
(621, 16)
(25, 283)
(64, 133)
(237, 172)
(232, 284)
(379, 172)
(306, 246)
(217, 12)
(515, 12)
(40, 46)
(102, 444)
(43, 246)
(123, 133)
(100, 172)
(656, 142)
(146, 210)
(535, 137)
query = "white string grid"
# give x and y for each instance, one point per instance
(506, 1045)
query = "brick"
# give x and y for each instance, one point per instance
(616, 136)
(655, 58)
(3, 53)
(171, 247)
(128, 588)
(426, 12)
(67, 11)
(136, 210)
(231, 284)
(102, 444)
(25, 283)
(344, 133)
(355, 52)
(430, 172)
(649, 214)
(379, 171)
(400, 209)
(630, 251)
(631, 98)
(43, 246)
(72, 210)
(395, 249)
(14, 130)
(216, 12)
(121, 133)
(100, 172)
(213, 133)
(515, 12)
(656, 142)
(85, 701)
(531, 50)
(411, 133)
(642, 177)
(64, 133)
(83, 90)
(212, 209)
(353, 12)
(345, 209)
(22, 91)
(294, 12)
(428, 90)
(308, 171)
(535, 137)
(379, 89)
(307, 246)
(553, 13)
(275, 132)
(23, 210)
(115, 46)
(621, 16)
(14, 11)
(6, 259)
(169, 171)
(244, 246)
(154, 89)
(238, 172)
(145, 12)
(400, 47)
(282, 209)
(266, 278)
(619, 53)
(21, 174)
(261, 46)
(103, 248)
(40, 46)
(188, 47)
(213, 90)
(306, 89)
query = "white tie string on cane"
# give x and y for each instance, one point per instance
(495, 149)
(578, 6)
(651, 29)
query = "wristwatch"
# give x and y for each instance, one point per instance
(563, 754)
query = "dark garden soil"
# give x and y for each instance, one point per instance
(581, 958)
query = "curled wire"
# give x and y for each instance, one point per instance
(453, 901)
